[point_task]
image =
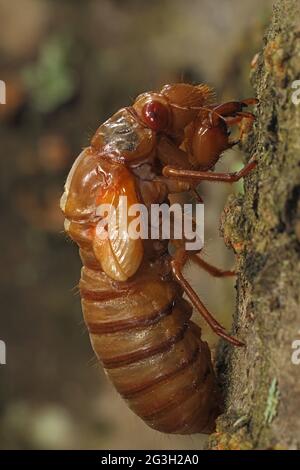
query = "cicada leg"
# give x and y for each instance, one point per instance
(177, 265)
(232, 108)
(209, 268)
(197, 176)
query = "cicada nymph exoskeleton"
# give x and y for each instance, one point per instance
(132, 289)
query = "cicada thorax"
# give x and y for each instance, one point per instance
(124, 138)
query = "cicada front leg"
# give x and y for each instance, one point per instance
(198, 176)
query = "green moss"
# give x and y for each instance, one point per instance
(51, 80)
(272, 402)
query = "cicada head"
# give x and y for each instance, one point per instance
(173, 108)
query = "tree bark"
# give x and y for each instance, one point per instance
(260, 383)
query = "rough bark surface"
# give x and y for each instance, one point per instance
(261, 384)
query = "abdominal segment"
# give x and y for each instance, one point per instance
(152, 352)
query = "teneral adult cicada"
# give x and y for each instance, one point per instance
(131, 289)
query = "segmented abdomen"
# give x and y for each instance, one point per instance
(142, 333)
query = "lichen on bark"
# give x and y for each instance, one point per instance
(260, 383)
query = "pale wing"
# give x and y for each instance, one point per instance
(119, 254)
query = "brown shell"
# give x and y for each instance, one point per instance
(140, 329)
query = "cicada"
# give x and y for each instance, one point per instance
(132, 290)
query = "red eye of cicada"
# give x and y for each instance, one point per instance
(155, 115)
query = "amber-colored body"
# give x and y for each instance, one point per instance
(132, 290)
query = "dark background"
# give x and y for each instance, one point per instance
(68, 66)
